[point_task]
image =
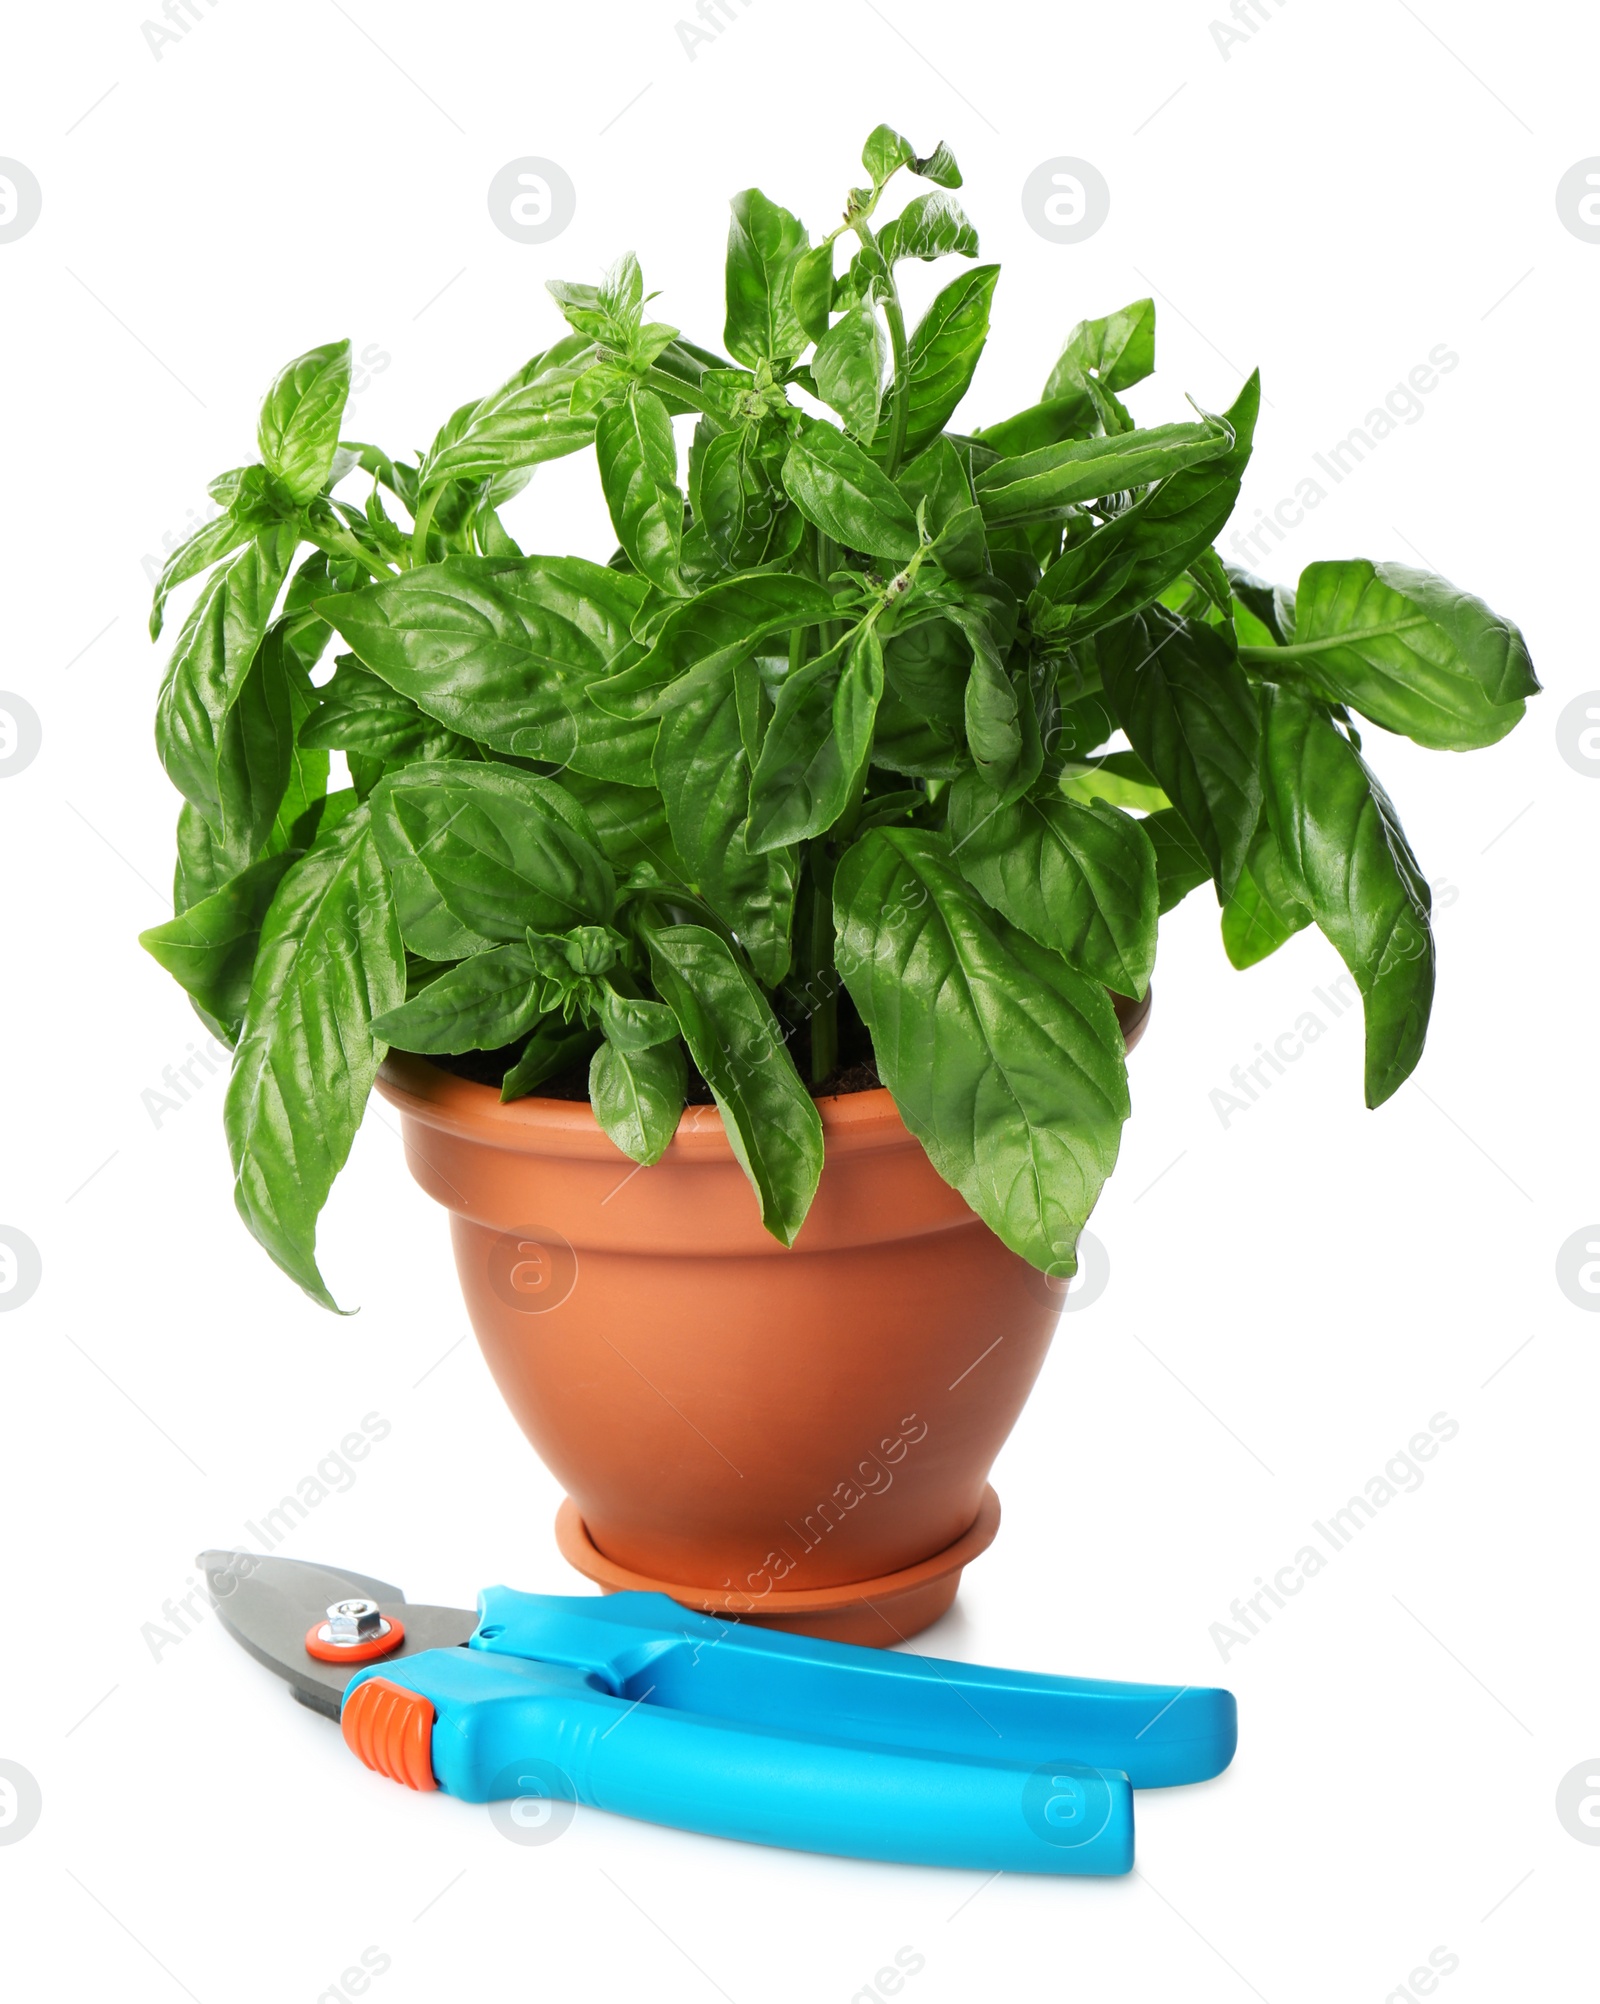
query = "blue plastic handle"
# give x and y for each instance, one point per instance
(636, 1705)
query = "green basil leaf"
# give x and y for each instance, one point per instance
(1119, 779)
(939, 166)
(630, 823)
(885, 151)
(1037, 484)
(479, 853)
(302, 812)
(848, 368)
(936, 480)
(703, 770)
(210, 660)
(1012, 556)
(1178, 691)
(528, 420)
(201, 868)
(1181, 865)
(638, 1096)
(1081, 727)
(1406, 649)
(1071, 416)
(632, 1022)
(210, 948)
(205, 865)
(305, 632)
(993, 719)
(1263, 911)
(359, 711)
(688, 378)
(754, 686)
(700, 642)
(298, 432)
(962, 546)
(330, 960)
(584, 310)
(944, 353)
(921, 720)
(256, 746)
(1080, 879)
(318, 578)
(1005, 1063)
(1001, 723)
(208, 545)
(401, 479)
(492, 537)
(323, 816)
(507, 652)
(737, 495)
(868, 277)
(1128, 562)
(708, 428)
(765, 243)
(1346, 859)
(622, 292)
(1210, 574)
(811, 289)
(479, 1004)
(553, 1048)
(570, 959)
(646, 345)
(814, 755)
(771, 1120)
(838, 488)
(1263, 614)
(226, 485)
(1119, 351)
(929, 226)
(639, 472)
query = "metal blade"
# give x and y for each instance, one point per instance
(267, 1604)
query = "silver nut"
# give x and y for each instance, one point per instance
(355, 1621)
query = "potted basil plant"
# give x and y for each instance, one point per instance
(750, 923)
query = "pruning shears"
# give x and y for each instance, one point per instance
(635, 1705)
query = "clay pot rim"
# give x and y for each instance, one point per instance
(851, 1122)
(854, 1120)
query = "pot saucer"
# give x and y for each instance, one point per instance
(876, 1612)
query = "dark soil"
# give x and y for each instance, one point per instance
(862, 1076)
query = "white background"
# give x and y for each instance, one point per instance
(1291, 1296)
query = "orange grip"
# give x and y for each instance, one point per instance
(391, 1730)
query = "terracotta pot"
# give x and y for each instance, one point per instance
(801, 1438)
